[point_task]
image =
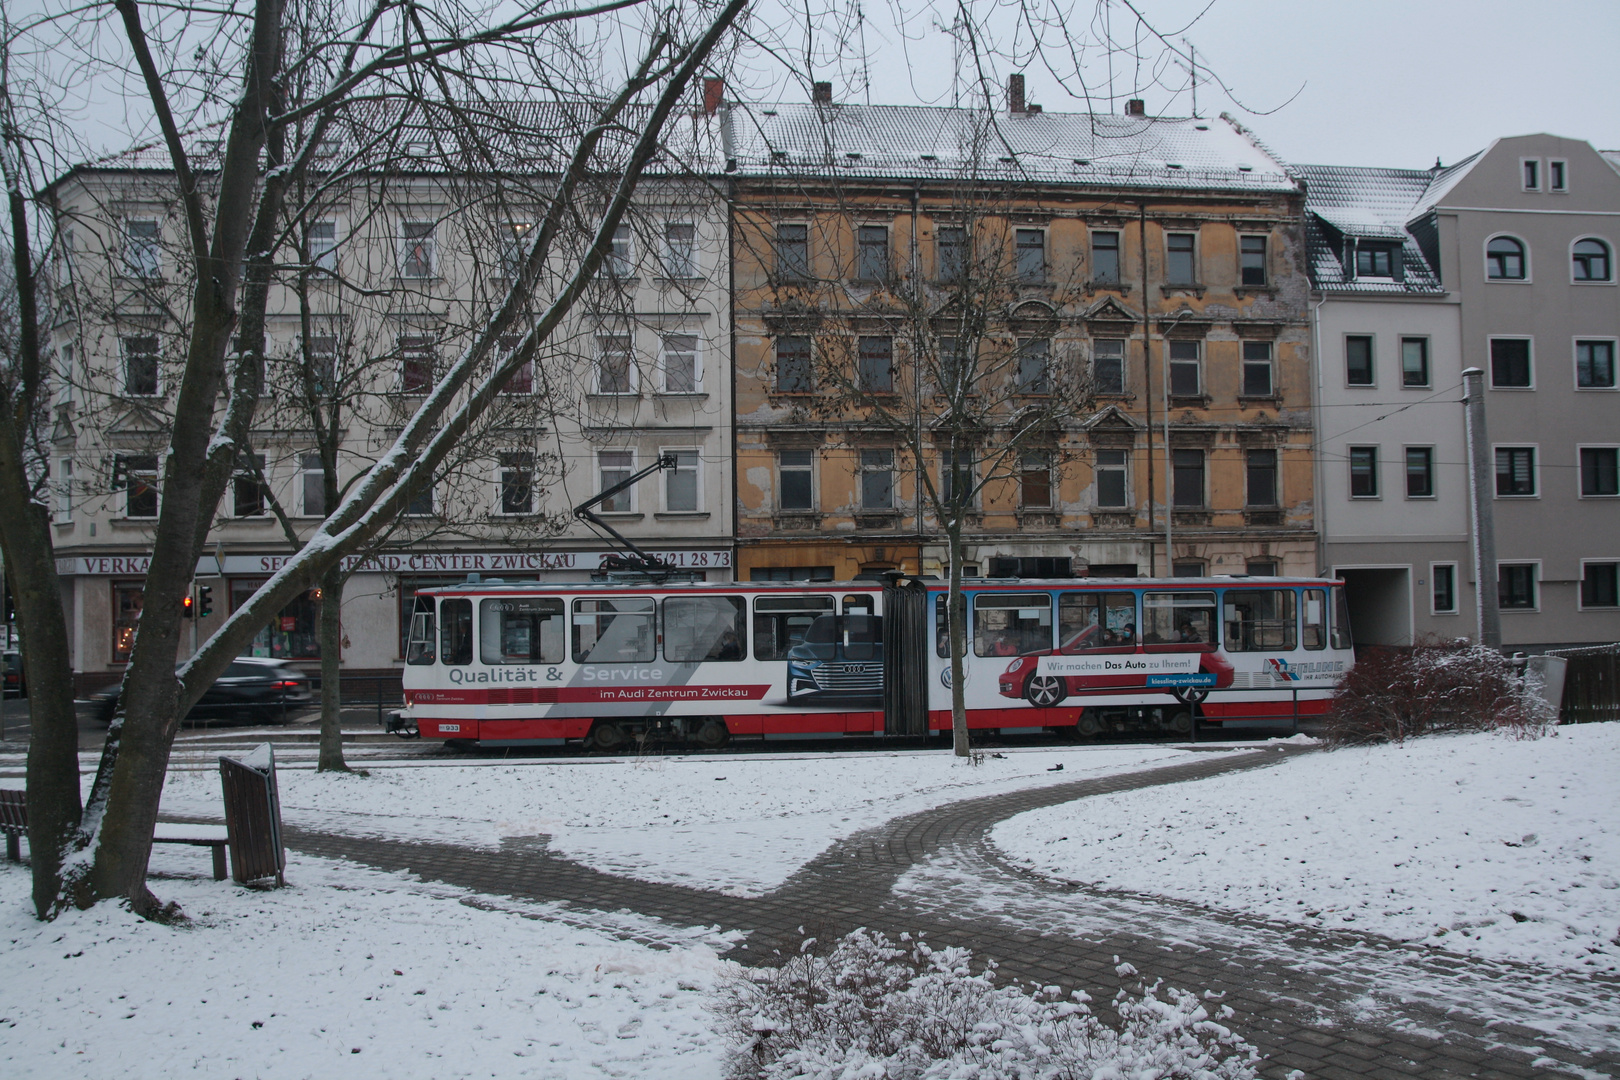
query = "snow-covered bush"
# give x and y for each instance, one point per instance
(869, 1009)
(1391, 695)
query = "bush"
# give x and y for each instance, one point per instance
(871, 1010)
(1392, 695)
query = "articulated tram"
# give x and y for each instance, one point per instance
(521, 664)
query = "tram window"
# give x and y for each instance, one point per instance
(703, 628)
(781, 622)
(1341, 619)
(1315, 619)
(861, 630)
(942, 624)
(618, 631)
(455, 631)
(521, 630)
(1261, 620)
(419, 647)
(1011, 624)
(1178, 618)
(1096, 621)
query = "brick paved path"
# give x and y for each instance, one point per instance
(1329, 1003)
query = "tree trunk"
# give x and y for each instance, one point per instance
(958, 609)
(331, 637)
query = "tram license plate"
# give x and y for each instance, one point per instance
(449, 727)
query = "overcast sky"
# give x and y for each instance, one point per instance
(1386, 82)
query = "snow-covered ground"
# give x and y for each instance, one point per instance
(1478, 843)
(348, 972)
(734, 823)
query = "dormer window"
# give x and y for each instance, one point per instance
(1375, 260)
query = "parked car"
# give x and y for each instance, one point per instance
(252, 687)
(16, 682)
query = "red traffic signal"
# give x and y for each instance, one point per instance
(186, 605)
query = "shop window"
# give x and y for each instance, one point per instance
(293, 634)
(127, 599)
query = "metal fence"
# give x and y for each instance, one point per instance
(1591, 684)
(371, 694)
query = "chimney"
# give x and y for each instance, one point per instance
(714, 92)
(821, 93)
(1136, 107)
(1015, 93)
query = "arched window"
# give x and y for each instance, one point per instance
(1591, 260)
(1504, 259)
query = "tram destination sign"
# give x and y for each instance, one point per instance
(398, 562)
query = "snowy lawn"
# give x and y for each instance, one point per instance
(737, 823)
(348, 972)
(1478, 843)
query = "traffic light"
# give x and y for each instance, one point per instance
(186, 605)
(205, 601)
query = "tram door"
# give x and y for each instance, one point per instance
(905, 658)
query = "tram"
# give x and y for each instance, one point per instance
(493, 663)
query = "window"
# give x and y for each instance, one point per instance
(793, 252)
(614, 467)
(1510, 364)
(456, 631)
(521, 381)
(1600, 471)
(1187, 467)
(1364, 472)
(618, 263)
(617, 631)
(1252, 260)
(1261, 620)
(516, 482)
(522, 630)
(248, 487)
(792, 573)
(1557, 175)
(956, 477)
(1011, 624)
(1179, 268)
(1443, 588)
(140, 365)
(1262, 477)
(1257, 369)
(1591, 260)
(1532, 173)
(320, 354)
(701, 629)
(1108, 367)
(1594, 365)
(420, 503)
(795, 471)
(1185, 618)
(1516, 586)
(1600, 584)
(416, 356)
(1420, 472)
(874, 253)
(322, 243)
(1035, 481)
(1504, 259)
(63, 486)
(1093, 621)
(1184, 373)
(1105, 258)
(680, 250)
(514, 248)
(1414, 361)
(793, 365)
(877, 479)
(613, 367)
(143, 251)
(952, 252)
(875, 364)
(1375, 260)
(1186, 568)
(679, 364)
(1515, 471)
(1260, 567)
(1358, 360)
(1027, 566)
(1034, 376)
(417, 259)
(681, 483)
(782, 622)
(1113, 475)
(127, 601)
(312, 485)
(1031, 255)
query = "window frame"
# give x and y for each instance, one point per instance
(664, 353)
(1524, 277)
(955, 465)
(784, 267)
(670, 475)
(1614, 362)
(619, 261)
(1171, 361)
(1456, 602)
(1428, 470)
(1038, 384)
(126, 354)
(1373, 249)
(521, 382)
(1372, 361)
(1534, 566)
(808, 468)
(1422, 341)
(1176, 470)
(680, 265)
(409, 251)
(1123, 469)
(240, 476)
(421, 346)
(1370, 454)
(1530, 360)
(809, 360)
(1029, 274)
(1264, 241)
(507, 463)
(1535, 470)
(1118, 276)
(1580, 592)
(864, 269)
(513, 237)
(1192, 257)
(627, 470)
(1530, 174)
(326, 258)
(143, 269)
(1580, 469)
(1608, 260)
(1557, 176)
(152, 478)
(631, 388)
(963, 256)
(62, 491)
(866, 348)
(1042, 465)
(1249, 467)
(305, 472)
(1124, 367)
(1269, 362)
(865, 468)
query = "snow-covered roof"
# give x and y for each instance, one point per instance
(919, 142)
(1362, 203)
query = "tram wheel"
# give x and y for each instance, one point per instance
(712, 735)
(1087, 726)
(1044, 691)
(609, 736)
(1181, 722)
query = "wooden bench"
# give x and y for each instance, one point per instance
(14, 821)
